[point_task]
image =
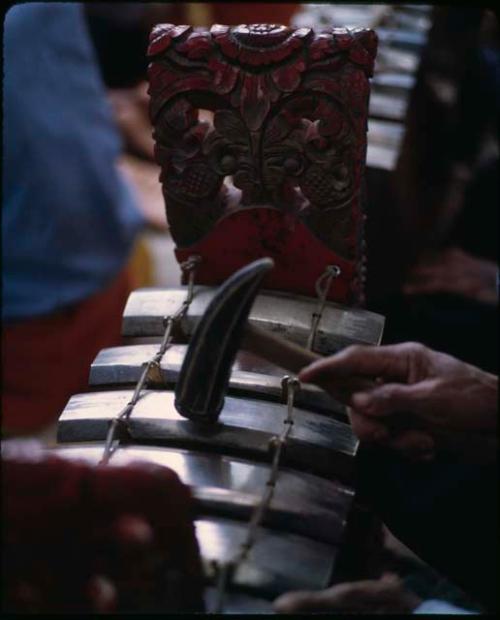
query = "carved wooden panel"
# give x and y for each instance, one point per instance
(288, 134)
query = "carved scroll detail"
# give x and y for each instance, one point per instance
(289, 125)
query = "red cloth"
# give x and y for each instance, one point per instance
(47, 359)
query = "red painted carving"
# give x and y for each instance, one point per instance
(299, 256)
(289, 129)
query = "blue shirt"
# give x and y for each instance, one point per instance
(68, 218)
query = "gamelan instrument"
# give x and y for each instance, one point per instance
(266, 207)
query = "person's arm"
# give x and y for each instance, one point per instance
(385, 595)
(413, 399)
(130, 108)
(455, 272)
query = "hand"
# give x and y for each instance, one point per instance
(453, 271)
(79, 539)
(130, 108)
(386, 594)
(413, 399)
(124, 575)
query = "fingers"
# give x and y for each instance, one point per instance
(420, 439)
(443, 260)
(342, 388)
(294, 602)
(434, 281)
(389, 362)
(130, 531)
(322, 600)
(102, 594)
(366, 595)
(390, 578)
(449, 271)
(423, 287)
(384, 400)
(375, 412)
(124, 577)
(414, 444)
(367, 429)
(430, 275)
(401, 432)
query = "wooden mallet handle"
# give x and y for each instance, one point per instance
(276, 349)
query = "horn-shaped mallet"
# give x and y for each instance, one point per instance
(222, 330)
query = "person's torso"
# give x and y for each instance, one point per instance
(68, 218)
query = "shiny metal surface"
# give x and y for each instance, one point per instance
(385, 133)
(384, 142)
(288, 315)
(230, 486)
(316, 443)
(388, 106)
(390, 59)
(381, 157)
(323, 15)
(250, 375)
(278, 562)
(413, 40)
(393, 82)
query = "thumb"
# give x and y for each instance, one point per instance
(393, 397)
(292, 602)
(102, 594)
(390, 577)
(332, 598)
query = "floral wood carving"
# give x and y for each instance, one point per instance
(289, 126)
